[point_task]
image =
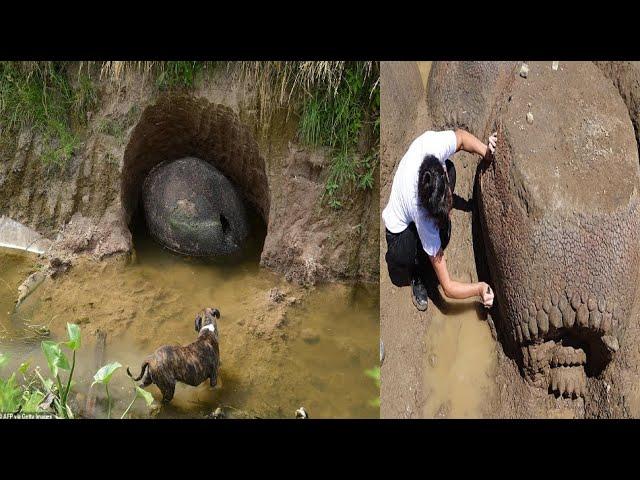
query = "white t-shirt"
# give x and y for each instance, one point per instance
(403, 207)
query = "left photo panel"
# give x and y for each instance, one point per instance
(189, 239)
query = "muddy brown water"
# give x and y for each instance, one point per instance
(307, 347)
(460, 358)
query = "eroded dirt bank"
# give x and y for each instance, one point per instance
(86, 205)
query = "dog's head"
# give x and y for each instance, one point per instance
(206, 320)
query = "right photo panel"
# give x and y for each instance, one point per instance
(509, 245)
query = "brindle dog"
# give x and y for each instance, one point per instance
(192, 364)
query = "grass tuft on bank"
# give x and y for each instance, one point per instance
(339, 107)
(337, 103)
(39, 95)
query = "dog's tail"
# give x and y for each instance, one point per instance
(145, 366)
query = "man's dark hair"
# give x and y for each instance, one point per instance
(433, 190)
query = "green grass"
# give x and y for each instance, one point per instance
(172, 75)
(40, 95)
(338, 104)
(336, 119)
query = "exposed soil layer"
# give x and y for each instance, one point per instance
(87, 205)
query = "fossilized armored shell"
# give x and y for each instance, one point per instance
(559, 209)
(193, 209)
(561, 218)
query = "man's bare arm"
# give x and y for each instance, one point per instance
(459, 290)
(470, 143)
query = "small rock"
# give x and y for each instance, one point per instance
(433, 360)
(611, 343)
(310, 336)
(275, 295)
(444, 410)
(554, 65)
(524, 70)
(218, 413)
(530, 118)
(301, 413)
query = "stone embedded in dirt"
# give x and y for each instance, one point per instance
(58, 266)
(444, 410)
(611, 343)
(217, 414)
(554, 65)
(530, 118)
(433, 360)
(524, 70)
(276, 296)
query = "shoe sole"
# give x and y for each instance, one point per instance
(417, 305)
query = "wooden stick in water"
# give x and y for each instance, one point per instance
(101, 343)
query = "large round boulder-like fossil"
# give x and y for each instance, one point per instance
(561, 214)
(559, 208)
(193, 209)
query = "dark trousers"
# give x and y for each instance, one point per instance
(405, 256)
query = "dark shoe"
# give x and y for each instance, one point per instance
(419, 294)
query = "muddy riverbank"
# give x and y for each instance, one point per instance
(282, 346)
(440, 363)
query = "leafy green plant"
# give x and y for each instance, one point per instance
(103, 377)
(375, 374)
(10, 394)
(39, 95)
(57, 361)
(178, 74)
(36, 392)
(139, 393)
(335, 119)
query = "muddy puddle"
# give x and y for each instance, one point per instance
(281, 346)
(459, 362)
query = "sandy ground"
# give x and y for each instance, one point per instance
(422, 375)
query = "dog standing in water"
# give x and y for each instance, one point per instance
(191, 364)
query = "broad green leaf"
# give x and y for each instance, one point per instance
(31, 401)
(148, 398)
(3, 359)
(74, 336)
(103, 375)
(55, 357)
(24, 366)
